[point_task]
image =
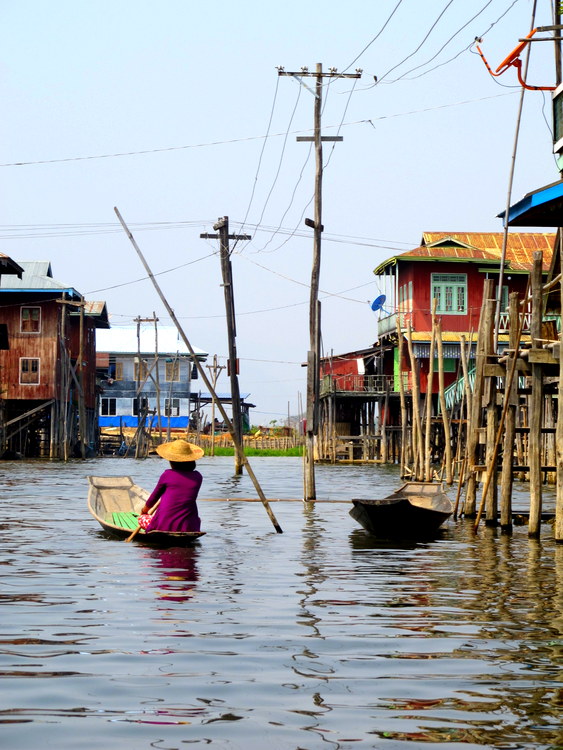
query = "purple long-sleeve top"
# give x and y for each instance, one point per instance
(177, 511)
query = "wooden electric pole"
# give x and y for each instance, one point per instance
(222, 227)
(313, 355)
(200, 369)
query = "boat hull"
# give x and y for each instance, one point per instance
(120, 495)
(415, 511)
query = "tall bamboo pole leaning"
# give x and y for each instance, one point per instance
(417, 426)
(201, 371)
(484, 331)
(443, 407)
(536, 400)
(429, 383)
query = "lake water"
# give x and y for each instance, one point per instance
(319, 637)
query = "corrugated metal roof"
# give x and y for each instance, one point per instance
(95, 309)
(520, 246)
(37, 276)
(9, 266)
(123, 340)
(481, 247)
(539, 208)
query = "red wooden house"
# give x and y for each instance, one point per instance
(359, 391)
(451, 268)
(48, 364)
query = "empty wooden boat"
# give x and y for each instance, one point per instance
(115, 502)
(415, 510)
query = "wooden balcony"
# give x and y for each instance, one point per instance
(356, 385)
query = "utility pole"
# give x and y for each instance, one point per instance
(200, 370)
(313, 355)
(142, 411)
(222, 227)
(157, 378)
(214, 370)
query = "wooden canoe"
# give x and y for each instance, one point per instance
(116, 501)
(415, 510)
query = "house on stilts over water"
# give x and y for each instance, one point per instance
(48, 392)
(360, 391)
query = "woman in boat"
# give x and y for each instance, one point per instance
(177, 490)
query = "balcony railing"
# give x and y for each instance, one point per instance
(357, 384)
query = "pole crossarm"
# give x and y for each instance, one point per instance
(331, 74)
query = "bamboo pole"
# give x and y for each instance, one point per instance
(508, 386)
(402, 397)
(536, 401)
(483, 347)
(429, 384)
(558, 529)
(202, 373)
(417, 427)
(510, 397)
(443, 407)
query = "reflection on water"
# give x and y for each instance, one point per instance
(318, 637)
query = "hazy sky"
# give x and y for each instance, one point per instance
(161, 108)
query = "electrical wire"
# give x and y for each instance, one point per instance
(467, 48)
(375, 38)
(281, 157)
(452, 37)
(262, 153)
(227, 142)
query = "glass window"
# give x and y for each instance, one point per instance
(172, 407)
(173, 371)
(140, 403)
(29, 370)
(108, 407)
(450, 291)
(141, 371)
(31, 319)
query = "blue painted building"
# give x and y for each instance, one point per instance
(145, 370)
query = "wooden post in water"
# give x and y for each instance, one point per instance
(511, 396)
(483, 337)
(418, 457)
(559, 427)
(429, 384)
(402, 396)
(536, 400)
(443, 406)
(491, 500)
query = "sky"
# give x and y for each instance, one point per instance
(174, 112)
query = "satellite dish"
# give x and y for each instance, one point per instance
(378, 303)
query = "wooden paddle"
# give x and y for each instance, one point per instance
(150, 513)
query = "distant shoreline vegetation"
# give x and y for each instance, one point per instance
(230, 451)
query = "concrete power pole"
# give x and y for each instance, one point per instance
(313, 355)
(222, 227)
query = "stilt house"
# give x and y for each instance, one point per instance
(145, 374)
(47, 365)
(359, 391)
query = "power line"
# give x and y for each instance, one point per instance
(381, 30)
(452, 37)
(262, 151)
(232, 140)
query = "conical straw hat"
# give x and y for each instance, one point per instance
(179, 450)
